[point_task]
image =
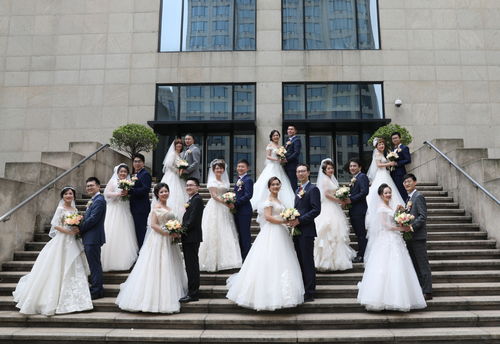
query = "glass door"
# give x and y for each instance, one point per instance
(320, 147)
(347, 147)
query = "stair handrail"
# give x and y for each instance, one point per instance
(472, 180)
(7, 215)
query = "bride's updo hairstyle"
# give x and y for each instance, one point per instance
(66, 188)
(158, 187)
(178, 141)
(271, 180)
(221, 163)
(326, 164)
(381, 140)
(274, 131)
(381, 188)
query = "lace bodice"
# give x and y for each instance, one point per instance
(221, 188)
(277, 207)
(164, 215)
(380, 157)
(272, 150)
(386, 217)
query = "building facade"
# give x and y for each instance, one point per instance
(230, 71)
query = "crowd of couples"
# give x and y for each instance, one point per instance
(302, 230)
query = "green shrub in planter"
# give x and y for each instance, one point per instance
(134, 138)
(386, 131)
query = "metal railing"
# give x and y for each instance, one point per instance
(472, 180)
(7, 215)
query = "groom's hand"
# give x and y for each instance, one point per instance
(230, 205)
(293, 223)
(124, 193)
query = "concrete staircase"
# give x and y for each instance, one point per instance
(466, 306)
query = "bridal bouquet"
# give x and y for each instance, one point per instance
(281, 153)
(174, 227)
(73, 219)
(343, 193)
(181, 164)
(125, 184)
(403, 218)
(229, 198)
(392, 156)
(291, 214)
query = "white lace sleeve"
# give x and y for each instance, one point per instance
(57, 220)
(261, 219)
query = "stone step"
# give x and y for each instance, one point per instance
(436, 265)
(254, 321)
(323, 291)
(348, 277)
(442, 335)
(326, 305)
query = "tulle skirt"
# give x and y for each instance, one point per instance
(178, 196)
(57, 282)
(120, 250)
(389, 280)
(158, 279)
(261, 191)
(220, 249)
(270, 277)
(331, 247)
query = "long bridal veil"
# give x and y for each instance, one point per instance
(212, 180)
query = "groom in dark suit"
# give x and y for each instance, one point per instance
(92, 232)
(399, 169)
(308, 203)
(191, 239)
(140, 206)
(357, 212)
(243, 188)
(292, 147)
(417, 245)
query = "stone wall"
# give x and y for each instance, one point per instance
(74, 70)
(427, 165)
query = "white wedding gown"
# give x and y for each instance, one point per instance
(178, 196)
(272, 169)
(220, 249)
(158, 279)
(389, 280)
(270, 277)
(331, 247)
(58, 281)
(378, 176)
(121, 249)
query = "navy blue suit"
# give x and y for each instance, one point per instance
(357, 212)
(140, 206)
(309, 207)
(400, 170)
(93, 237)
(292, 158)
(243, 215)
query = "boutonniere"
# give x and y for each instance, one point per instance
(409, 204)
(288, 143)
(89, 203)
(239, 184)
(186, 205)
(301, 193)
(188, 151)
(134, 178)
(353, 180)
(398, 150)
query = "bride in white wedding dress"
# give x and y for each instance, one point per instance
(178, 196)
(158, 279)
(220, 248)
(378, 174)
(389, 280)
(273, 168)
(270, 277)
(120, 250)
(58, 282)
(331, 247)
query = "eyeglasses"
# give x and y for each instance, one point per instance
(190, 185)
(137, 161)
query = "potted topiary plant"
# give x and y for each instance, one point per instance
(386, 131)
(133, 138)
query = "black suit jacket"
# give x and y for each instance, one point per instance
(419, 210)
(404, 159)
(92, 228)
(359, 191)
(192, 220)
(309, 207)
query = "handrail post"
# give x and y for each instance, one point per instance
(7, 215)
(472, 180)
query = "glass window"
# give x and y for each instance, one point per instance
(330, 24)
(205, 102)
(332, 101)
(347, 148)
(244, 148)
(193, 25)
(320, 147)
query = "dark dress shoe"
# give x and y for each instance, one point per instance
(428, 296)
(308, 299)
(188, 298)
(358, 259)
(97, 296)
